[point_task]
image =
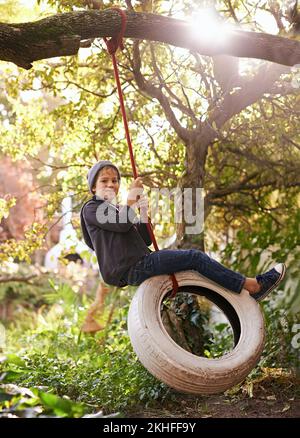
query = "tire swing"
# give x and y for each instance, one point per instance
(179, 368)
(156, 350)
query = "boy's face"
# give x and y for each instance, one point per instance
(107, 184)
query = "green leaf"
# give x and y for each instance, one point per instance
(16, 360)
(12, 376)
(61, 407)
(5, 397)
(220, 327)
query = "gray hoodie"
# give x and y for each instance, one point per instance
(119, 243)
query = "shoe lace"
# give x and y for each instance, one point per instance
(268, 277)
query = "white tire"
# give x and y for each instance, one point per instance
(177, 367)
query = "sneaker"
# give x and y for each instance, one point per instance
(269, 281)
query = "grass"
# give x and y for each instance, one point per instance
(68, 373)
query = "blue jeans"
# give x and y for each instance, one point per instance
(166, 261)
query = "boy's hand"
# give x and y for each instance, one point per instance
(135, 191)
(143, 205)
(137, 184)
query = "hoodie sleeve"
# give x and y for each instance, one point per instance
(143, 230)
(107, 217)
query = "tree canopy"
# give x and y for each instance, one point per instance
(212, 97)
(220, 122)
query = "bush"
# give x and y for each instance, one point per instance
(100, 371)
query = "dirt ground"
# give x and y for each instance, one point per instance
(273, 398)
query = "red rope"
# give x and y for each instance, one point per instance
(115, 43)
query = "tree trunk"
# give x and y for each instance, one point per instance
(178, 320)
(192, 235)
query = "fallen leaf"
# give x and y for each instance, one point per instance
(286, 408)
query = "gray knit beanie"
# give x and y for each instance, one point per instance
(92, 173)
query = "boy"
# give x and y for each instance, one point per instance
(121, 241)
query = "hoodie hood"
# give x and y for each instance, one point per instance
(85, 233)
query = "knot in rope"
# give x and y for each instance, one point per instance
(116, 42)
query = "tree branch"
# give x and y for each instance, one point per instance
(176, 101)
(241, 187)
(262, 83)
(157, 93)
(18, 279)
(61, 34)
